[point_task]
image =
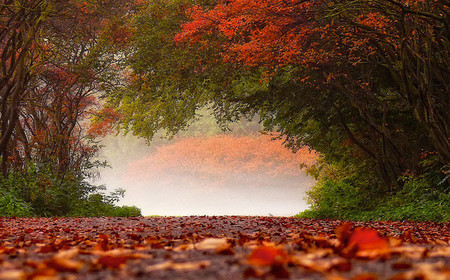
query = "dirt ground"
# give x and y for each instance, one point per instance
(230, 247)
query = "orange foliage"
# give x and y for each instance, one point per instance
(222, 156)
(271, 32)
(274, 33)
(103, 121)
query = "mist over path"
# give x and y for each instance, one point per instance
(215, 175)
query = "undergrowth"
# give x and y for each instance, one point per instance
(420, 199)
(37, 191)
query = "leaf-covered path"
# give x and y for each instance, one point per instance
(233, 247)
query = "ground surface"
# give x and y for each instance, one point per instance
(221, 248)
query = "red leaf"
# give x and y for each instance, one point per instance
(112, 261)
(50, 248)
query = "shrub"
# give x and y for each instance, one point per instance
(38, 190)
(12, 206)
(423, 198)
(126, 211)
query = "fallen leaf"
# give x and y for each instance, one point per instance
(43, 274)
(279, 271)
(12, 274)
(64, 265)
(186, 266)
(254, 272)
(343, 232)
(321, 265)
(410, 251)
(267, 256)
(368, 239)
(112, 261)
(212, 244)
(441, 251)
(183, 247)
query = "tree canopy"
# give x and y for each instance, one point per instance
(365, 83)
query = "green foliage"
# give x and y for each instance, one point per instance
(99, 204)
(167, 83)
(361, 108)
(39, 191)
(126, 211)
(426, 197)
(12, 205)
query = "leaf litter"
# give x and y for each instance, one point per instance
(224, 247)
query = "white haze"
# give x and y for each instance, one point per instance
(175, 194)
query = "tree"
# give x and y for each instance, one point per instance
(334, 75)
(50, 85)
(20, 22)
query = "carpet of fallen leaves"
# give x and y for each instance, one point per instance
(233, 247)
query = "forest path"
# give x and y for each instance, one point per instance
(223, 247)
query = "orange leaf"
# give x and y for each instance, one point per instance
(368, 239)
(64, 265)
(266, 256)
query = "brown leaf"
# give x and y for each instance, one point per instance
(212, 244)
(186, 266)
(43, 274)
(253, 272)
(321, 265)
(279, 271)
(401, 265)
(411, 251)
(103, 243)
(343, 232)
(15, 274)
(440, 251)
(64, 265)
(50, 248)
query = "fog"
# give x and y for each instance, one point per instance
(169, 191)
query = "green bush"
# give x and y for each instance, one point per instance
(426, 198)
(126, 211)
(12, 206)
(39, 191)
(99, 204)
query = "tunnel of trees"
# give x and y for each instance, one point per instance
(363, 83)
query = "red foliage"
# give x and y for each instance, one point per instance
(270, 32)
(274, 33)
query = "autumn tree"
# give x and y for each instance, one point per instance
(365, 83)
(67, 64)
(20, 22)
